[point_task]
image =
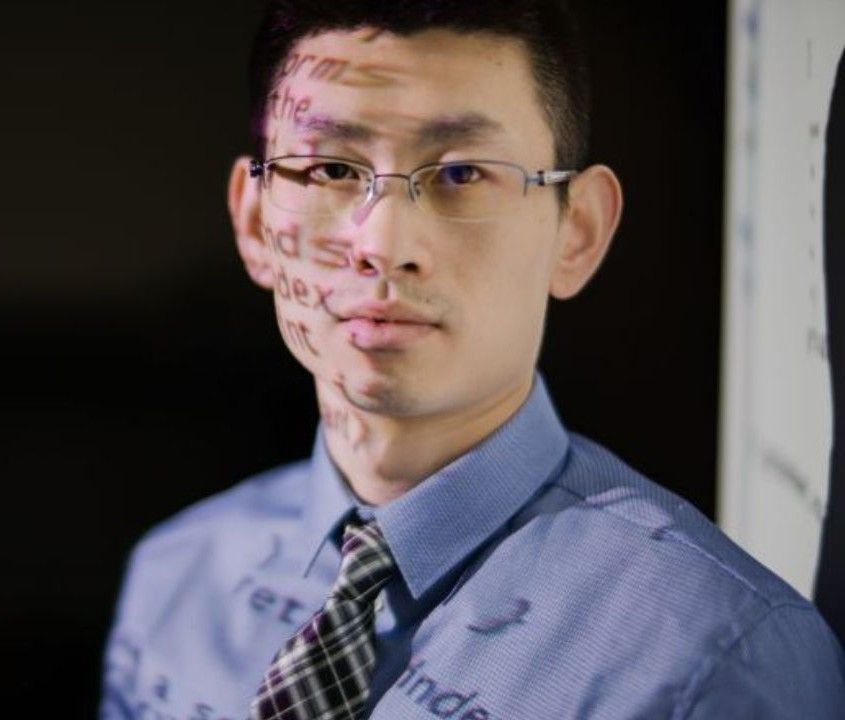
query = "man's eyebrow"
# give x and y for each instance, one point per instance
(438, 131)
(460, 128)
(329, 128)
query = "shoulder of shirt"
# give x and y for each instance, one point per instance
(219, 529)
(620, 495)
(278, 491)
(599, 518)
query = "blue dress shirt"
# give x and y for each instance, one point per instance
(540, 577)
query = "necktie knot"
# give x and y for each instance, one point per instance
(366, 564)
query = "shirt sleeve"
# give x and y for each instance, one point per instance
(789, 665)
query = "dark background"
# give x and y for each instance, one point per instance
(142, 370)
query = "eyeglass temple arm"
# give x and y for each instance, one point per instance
(551, 177)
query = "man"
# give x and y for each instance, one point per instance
(449, 550)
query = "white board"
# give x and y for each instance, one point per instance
(776, 404)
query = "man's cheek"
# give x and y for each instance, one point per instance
(313, 251)
(302, 291)
(304, 273)
(297, 333)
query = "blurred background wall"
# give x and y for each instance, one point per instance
(141, 369)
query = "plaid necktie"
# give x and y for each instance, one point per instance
(323, 672)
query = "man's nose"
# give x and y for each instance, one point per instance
(389, 238)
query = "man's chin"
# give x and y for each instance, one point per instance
(380, 394)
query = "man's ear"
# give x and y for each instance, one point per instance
(586, 229)
(245, 212)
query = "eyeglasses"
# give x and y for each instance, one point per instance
(462, 190)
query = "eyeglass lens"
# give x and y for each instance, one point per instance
(327, 187)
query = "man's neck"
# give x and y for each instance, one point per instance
(382, 457)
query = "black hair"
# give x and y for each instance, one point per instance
(547, 28)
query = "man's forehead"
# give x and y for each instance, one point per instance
(391, 49)
(368, 58)
(435, 87)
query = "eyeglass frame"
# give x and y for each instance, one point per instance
(542, 178)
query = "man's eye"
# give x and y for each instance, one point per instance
(458, 175)
(334, 171)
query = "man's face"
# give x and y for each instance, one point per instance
(409, 314)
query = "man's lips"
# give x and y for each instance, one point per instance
(366, 334)
(386, 312)
(385, 326)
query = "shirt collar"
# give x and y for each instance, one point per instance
(433, 527)
(329, 502)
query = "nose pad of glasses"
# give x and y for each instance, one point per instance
(414, 189)
(374, 191)
(372, 194)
